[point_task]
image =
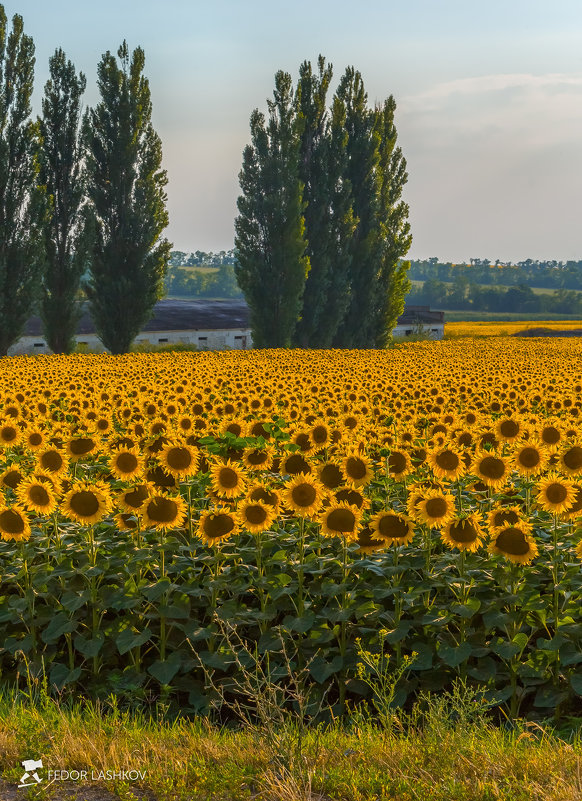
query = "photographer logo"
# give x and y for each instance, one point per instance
(31, 766)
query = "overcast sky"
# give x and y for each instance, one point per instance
(489, 104)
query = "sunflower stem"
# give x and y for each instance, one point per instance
(93, 590)
(30, 599)
(343, 628)
(555, 598)
(397, 601)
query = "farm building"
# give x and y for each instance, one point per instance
(207, 324)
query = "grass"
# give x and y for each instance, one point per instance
(445, 750)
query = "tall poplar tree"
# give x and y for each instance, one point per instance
(270, 243)
(126, 187)
(22, 201)
(67, 226)
(328, 217)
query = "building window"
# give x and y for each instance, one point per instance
(408, 332)
(39, 344)
(202, 339)
(435, 330)
(163, 339)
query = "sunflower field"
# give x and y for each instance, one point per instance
(422, 502)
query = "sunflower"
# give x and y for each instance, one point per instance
(86, 503)
(303, 495)
(369, 542)
(216, 525)
(515, 543)
(79, 447)
(509, 429)
(227, 479)
(258, 458)
(555, 494)
(180, 460)
(319, 434)
(14, 523)
(294, 465)
(394, 528)
(162, 512)
(530, 457)
(125, 521)
(126, 463)
(340, 520)
(330, 475)
(463, 533)
(255, 516)
(10, 434)
(491, 469)
(571, 460)
(263, 494)
(34, 439)
(356, 469)
(398, 464)
(504, 516)
(435, 508)
(11, 477)
(551, 432)
(446, 463)
(133, 498)
(53, 461)
(36, 496)
(576, 509)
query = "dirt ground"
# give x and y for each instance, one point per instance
(9, 792)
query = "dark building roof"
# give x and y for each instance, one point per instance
(174, 315)
(413, 315)
(212, 315)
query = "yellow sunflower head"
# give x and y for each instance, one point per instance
(394, 528)
(447, 462)
(555, 494)
(216, 525)
(530, 457)
(126, 463)
(255, 516)
(436, 508)
(357, 469)
(14, 523)
(463, 533)
(162, 511)
(37, 496)
(86, 503)
(491, 468)
(515, 543)
(340, 519)
(179, 459)
(303, 494)
(228, 479)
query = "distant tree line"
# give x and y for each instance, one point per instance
(82, 197)
(533, 273)
(219, 281)
(322, 229)
(464, 296)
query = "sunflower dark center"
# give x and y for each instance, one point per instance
(34, 439)
(556, 493)
(12, 479)
(319, 434)
(356, 468)
(218, 526)
(179, 458)
(8, 433)
(447, 460)
(463, 531)
(303, 441)
(509, 428)
(126, 462)
(11, 522)
(513, 542)
(573, 458)
(392, 527)
(256, 514)
(228, 478)
(529, 457)
(234, 428)
(492, 467)
(84, 503)
(550, 435)
(436, 507)
(397, 462)
(261, 494)
(51, 461)
(162, 510)
(136, 497)
(257, 457)
(341, 520)
(295, 464)
(502, 518)
(353, 497)
(331, 476)
(38, 495)
(304, 494)
(81, 446)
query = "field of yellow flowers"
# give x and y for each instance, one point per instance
(506, 328)
(170, 520)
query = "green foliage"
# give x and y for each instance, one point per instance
(67, 227)
(22, 200)
(126, 190)
(270, 229)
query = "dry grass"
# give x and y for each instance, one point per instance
(430, 761)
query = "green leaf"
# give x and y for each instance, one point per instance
(59, 625)
(89, 648)
(164, 671)
(468, 609)
(321, 669)
(576, 683)
(454, 655)
(60, 675)
(128, 639)
(424, 655)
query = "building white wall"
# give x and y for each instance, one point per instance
(217, 339)
(436, 330)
